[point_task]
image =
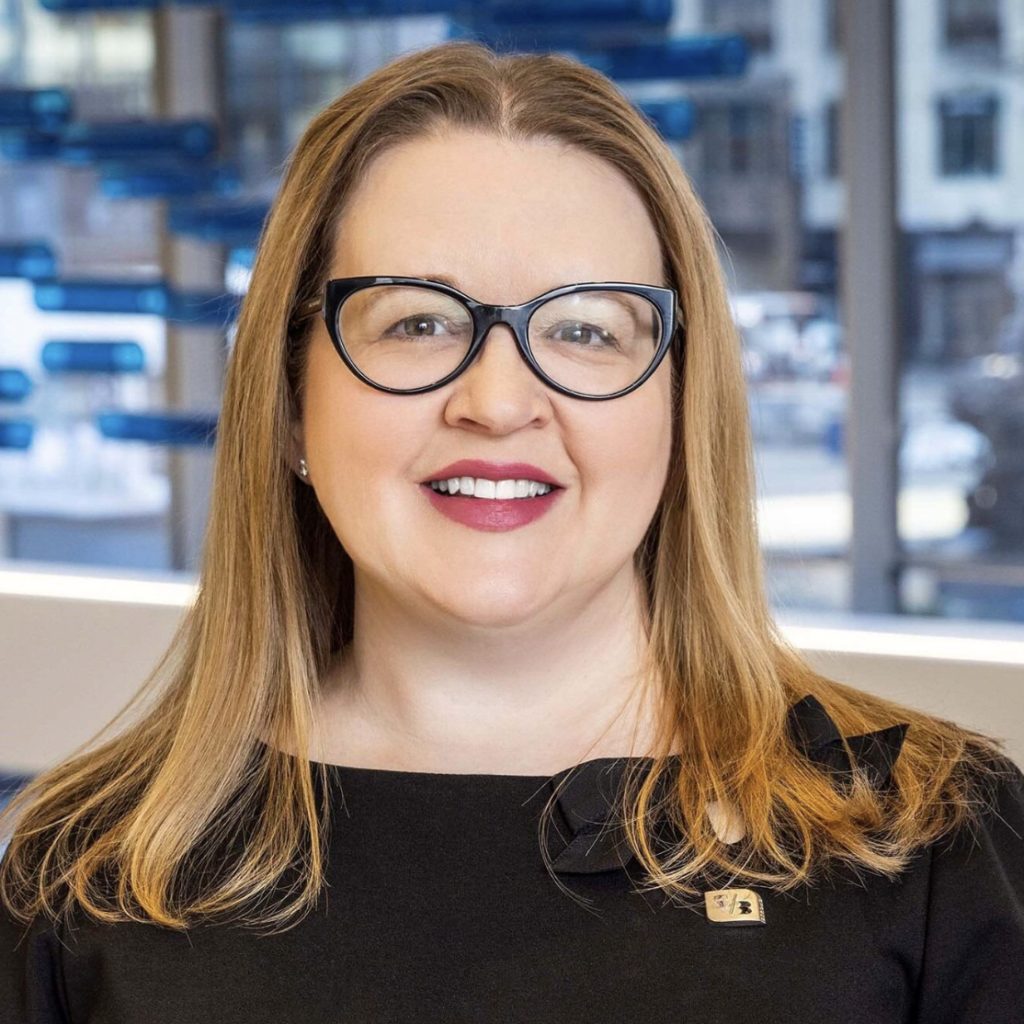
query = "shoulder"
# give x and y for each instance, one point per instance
(973, 954)
(994, 834)
(31, 970)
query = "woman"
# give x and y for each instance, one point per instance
(507, 602)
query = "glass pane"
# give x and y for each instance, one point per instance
(595, 342)
(765, 160)
(962, 376)
(405, 336)
(74, 495)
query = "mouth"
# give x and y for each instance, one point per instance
(492, 505)
(482, 489)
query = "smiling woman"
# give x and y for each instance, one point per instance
(490, 717)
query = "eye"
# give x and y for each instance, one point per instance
(412, 326)
(578, 329)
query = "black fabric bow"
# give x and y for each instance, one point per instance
(590, 838)
(817, 736)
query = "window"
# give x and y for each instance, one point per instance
(751, 18)
(738, 138)
(971, 24)
(832, 27)
(968, 134)
(830, 139)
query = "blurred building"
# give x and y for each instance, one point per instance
(766, 157)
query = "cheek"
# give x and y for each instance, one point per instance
(344, 422)
(627, 452)
(362, 444)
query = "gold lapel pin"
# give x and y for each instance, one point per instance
(734, 906)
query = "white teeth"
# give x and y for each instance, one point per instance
(495, 489)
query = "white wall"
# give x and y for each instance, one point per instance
(75, 648)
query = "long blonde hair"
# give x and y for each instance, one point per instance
(128, 829)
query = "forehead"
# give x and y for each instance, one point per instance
(504, 219)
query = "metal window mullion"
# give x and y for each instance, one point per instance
(189, 84)
(868, 288)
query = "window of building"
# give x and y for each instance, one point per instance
(971, 24)
(739, 138)
(830, 140)
(750, 18)
(968, 134)
(831, 33)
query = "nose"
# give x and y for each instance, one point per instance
(498, 389)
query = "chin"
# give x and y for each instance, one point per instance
(490, 603)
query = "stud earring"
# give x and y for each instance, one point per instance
(303, 468)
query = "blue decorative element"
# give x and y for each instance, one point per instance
(29, 144)
(229, 223)
(166, 179)
(34, 108)
(582, 15)
(512, 29)
(169, 428)
(136, 139)
(102, 297)
(66, 6)
(298, 10)
(679, 58)
(674, 119)
(93, 357)
(63, 6)
(16, 434)
(33, 260)
(15, 384)
(87, 142)
(156, 299)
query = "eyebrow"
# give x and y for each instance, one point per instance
(446, 279)
(442, 278)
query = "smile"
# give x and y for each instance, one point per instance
(478, 487)
(488, 509)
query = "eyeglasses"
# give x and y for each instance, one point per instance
(408, 335)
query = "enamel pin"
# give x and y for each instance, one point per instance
(734, 906)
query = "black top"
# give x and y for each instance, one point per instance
(440, 910)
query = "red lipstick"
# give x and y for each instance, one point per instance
(493, 471)
(492, 514)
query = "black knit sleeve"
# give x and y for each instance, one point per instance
(973, 963)
(31, 985)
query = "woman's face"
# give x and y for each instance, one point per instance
(505, 221)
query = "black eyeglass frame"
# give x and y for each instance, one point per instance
(485, 316)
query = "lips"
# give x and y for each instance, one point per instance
(492, 514)
(493, 471)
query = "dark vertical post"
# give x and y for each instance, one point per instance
(869, 266)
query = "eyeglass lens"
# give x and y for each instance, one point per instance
(592, 342)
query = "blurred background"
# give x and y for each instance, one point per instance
(862, 162)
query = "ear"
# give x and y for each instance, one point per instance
(297, 449)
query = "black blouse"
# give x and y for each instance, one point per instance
(439, 909)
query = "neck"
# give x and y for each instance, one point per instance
(531, 698)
